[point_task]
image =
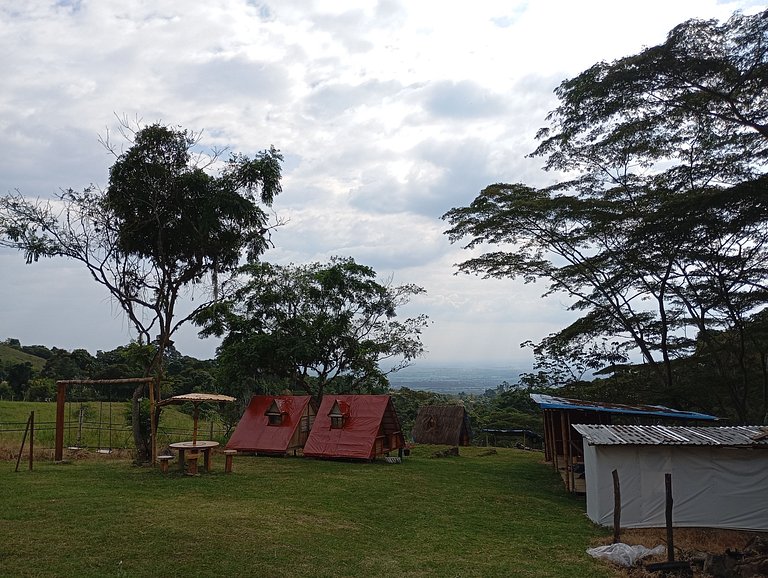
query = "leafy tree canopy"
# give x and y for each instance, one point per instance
(316, 326)
(659, 233)
(166, 222)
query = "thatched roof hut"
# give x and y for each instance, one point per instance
(442, 424)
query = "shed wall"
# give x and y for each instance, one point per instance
(712, 487)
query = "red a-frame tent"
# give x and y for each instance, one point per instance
(355, 426)
(273, 424)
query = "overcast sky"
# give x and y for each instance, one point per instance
(388, 113)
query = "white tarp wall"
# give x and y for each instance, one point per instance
(716, 487)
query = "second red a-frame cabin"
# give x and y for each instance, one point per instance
(273, 424)
(356, 427)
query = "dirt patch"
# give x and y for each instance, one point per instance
(711, 552)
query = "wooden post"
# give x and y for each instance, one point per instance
(24, 440)
(229, 454)
(152, 424)
(61, 395)
(554, 444)
(31, 439)
(566, 450)
(668, 515)
(616, 507)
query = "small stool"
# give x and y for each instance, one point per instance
(228, 454)
(164, 461)
(192, 463)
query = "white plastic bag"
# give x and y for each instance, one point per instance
(624, 554)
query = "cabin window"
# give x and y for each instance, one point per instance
(338, 414)
(337, 421)
(275, 418)
(431, 423)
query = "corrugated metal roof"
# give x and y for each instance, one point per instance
(552, 402)
(609, 435)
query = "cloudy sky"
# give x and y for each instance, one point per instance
(388, 114)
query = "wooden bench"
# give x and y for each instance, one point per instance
(228, 455)
(164, 461)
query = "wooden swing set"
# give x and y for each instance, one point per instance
(61, 395)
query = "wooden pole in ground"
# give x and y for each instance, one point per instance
(566, 450)
(31, 439)
(668, 515)
(616, 507)
(61, 396)
(23, 441)
(152, 425)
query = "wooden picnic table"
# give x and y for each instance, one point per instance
(195, 446)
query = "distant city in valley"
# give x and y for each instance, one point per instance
(452, 379)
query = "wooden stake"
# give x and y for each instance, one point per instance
(24, 440)
(31, 439)
(616, 507)
(668, 514)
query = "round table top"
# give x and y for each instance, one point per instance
(199, 445)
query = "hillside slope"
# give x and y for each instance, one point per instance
(14, 356)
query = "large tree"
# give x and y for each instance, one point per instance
(166, 223)
(661, 235)
(322, 326)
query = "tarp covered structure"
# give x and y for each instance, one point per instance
(442, 424)
(355, 426)
(273, 424)
(719, 475)
(562, 444)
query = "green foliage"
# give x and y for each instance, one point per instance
(162, 226)
(40, 389)
(408, 401)
(62, 364)
(660, 237)
(12, 355)
(321, 327)
(18, 376)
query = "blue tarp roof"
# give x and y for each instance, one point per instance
(552, 402)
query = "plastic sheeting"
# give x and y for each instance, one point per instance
(624, 554)
(366, 417)
(253, 432)
(715, 487)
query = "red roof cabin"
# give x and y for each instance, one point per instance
(355, 426)
(274, 425)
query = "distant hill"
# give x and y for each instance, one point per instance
(14, 356)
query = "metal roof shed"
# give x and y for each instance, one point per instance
(562, 446)
(720, 475)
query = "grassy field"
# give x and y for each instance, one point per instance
(14, 356)
(503, 514)
(96, 426)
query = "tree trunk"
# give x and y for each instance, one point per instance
(142, 446)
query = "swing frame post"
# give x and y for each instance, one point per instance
(61, 396)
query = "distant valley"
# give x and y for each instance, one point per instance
(454, 380)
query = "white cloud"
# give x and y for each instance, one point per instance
(389, 113)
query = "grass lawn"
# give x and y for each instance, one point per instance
(98, 422)
(504, 514)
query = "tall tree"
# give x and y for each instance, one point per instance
(164, 224)
(660, 236)
(318, 327)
